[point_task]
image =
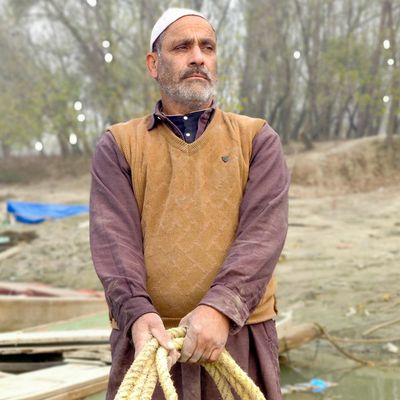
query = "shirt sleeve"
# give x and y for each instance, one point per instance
(116, 238)
(260, 235)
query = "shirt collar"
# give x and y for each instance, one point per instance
(159, 116)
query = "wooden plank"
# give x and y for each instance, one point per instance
(90, 336)
(9, 252)
(86, 361)
(297, 336)
(41, 289)
(51, 349)
(79, 393)
(57, 383)
(18, 312)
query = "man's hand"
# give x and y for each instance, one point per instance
(148, 326)
(206, 336)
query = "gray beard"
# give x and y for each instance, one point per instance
(183, 93)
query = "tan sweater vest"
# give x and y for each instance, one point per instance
(189, 197)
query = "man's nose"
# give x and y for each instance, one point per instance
(196, 56)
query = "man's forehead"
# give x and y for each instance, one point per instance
(189, 26)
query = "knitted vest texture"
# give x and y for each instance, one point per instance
(189, 197)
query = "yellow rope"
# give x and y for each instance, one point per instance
(151, 366)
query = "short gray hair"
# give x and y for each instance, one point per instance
(158, 43)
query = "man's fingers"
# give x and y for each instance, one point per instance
(196, 356)
(169, 362)
(214, 355)
(163, 337)
(193, 351)
(172, 358)
(184, 322)
(189, 346)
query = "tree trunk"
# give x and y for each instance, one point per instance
(5, 150)
(369, 89)
(395, 80)
(64, 144)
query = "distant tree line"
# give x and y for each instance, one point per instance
(315, 69)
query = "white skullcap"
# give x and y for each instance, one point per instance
(168, 18)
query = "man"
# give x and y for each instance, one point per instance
(188, 218)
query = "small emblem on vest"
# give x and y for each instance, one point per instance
(225, 158)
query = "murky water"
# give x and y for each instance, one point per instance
(364, 383)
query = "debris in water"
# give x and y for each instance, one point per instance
(392, 348)
(352, 311)
(315, 385)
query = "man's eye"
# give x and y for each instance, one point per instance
(208, 47)
(181, 47)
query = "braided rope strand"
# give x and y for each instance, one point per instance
(151, 366)
(135, 370)
(238, 379)
(148, 390)
(141, 383)
(220, 381)
(164, 375)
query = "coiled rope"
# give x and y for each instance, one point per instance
(151, 366)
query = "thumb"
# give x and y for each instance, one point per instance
(163, 337)
(184, 322)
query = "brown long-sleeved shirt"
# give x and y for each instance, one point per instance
(116, 236)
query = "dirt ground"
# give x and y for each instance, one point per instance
(340, 265)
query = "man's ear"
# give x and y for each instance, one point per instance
(152, 64)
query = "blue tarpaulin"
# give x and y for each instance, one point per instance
(35, 213)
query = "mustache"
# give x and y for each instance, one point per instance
(203, 72)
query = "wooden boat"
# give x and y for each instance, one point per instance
(64, 382)
(25, 305)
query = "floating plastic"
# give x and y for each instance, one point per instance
(315, 385)
(319, 385)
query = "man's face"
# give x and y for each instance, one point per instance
(187, 63)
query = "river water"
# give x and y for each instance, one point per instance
(352, 382)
